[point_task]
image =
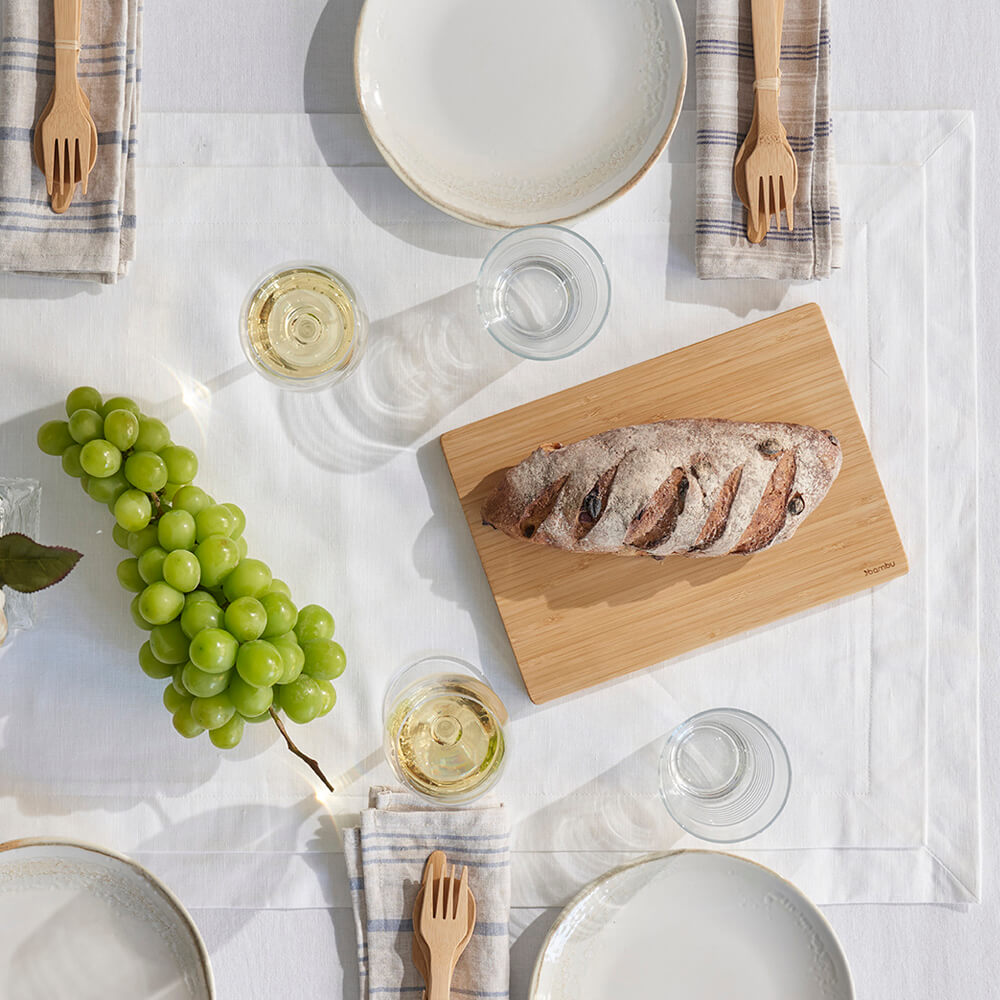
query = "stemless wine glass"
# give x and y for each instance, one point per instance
(445, 730)
(304, 327)
(724, 775)
(543, 292)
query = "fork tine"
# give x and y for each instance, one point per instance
(462, 910)
(789, 202)
(67, 177)
(449, 902)
(427, 907)
(48, 165)
(773, 208)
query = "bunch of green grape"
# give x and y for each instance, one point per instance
(221, 628)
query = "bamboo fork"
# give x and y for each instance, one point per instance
(444, 925)
(68, 136)
(771, 169)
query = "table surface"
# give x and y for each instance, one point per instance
(884, 56)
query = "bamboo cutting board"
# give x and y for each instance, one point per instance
(576, 620)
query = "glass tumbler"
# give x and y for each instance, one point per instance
(724, 775)
(304, 327)
(20, 510)
(543, 292)
(445, 730)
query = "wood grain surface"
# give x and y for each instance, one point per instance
(576, 620)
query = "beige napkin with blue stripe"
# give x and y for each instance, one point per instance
(385, 863)
(725, 72)
(95, 238)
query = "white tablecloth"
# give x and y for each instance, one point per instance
(310, 966)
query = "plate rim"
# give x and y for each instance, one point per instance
(489, 223)
(143, 873)
(659, 856)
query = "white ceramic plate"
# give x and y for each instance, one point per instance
(520, 112)
(78, 922)
(691, 925)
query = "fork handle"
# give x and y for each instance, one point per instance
(765, 21)
(67, 41)
(439, 987)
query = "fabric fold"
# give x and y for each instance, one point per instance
(385, 862)
(725, 73)
(95, 238)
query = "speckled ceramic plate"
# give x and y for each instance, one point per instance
(521, 112)
(78, 922)
(691, 925)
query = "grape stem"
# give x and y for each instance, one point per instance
(157, 503)
(298, 753)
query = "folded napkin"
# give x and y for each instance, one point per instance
(95, 238)
(725, 73)
(385, 862)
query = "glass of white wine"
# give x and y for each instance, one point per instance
(304, 327)
(445, 730)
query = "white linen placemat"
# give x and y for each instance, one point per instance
(348, 496)
(95, 238)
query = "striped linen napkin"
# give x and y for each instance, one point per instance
(95, 238)
(725, 72)
(385, 863)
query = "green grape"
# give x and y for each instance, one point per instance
(151, 666)
(137, 615)
(218, 557)
(203, 684)
(100, 458)
(151, 564)
(120, 535)
(184, 723)
(121, 428)
(71, 461)
(212, 712)
(302, 700)
(242, 547)
(170, 491)
(259, 663)
(176, 530)
(199, 615)
(146, 471)
(246, 618)
(153, 435)
(241, 519)
(85, 484)
(182, 463)
(197, 596)
(177, 680)
(120, 403)
(228, 736)
(54, 437)
(325, 659)
(174, 700)
(281, 614)
(159, 603)
(213, 650)
(263, 717)
(133, 510)
(128, 575)
(85, 425)
(182, 570)
(292, 656)
(139, 541)
(280, 587)
(314, 622)
(109, 489)
(250, 701)
(192, 499)
(215, 520)
(169, 643)
(83, 397)
(250, 579)
(329, 696)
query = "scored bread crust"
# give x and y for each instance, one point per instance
(700, 487)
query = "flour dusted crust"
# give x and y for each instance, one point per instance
(680, 487)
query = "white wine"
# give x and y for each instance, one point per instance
(447, 736)
(302, 323)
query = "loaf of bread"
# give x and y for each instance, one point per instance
(679, 487)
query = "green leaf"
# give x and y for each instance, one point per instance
(27, 566)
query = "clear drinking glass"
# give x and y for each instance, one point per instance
(304, 327)
(20, 510)
(445, 730)
(724, 775)
(543, 292)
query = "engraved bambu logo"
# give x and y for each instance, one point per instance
(872, 570)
